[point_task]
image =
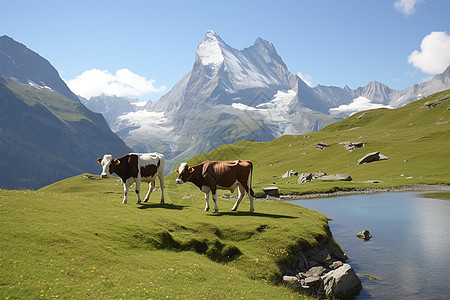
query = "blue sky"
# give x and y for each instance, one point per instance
(142, 48)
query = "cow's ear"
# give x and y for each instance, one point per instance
(177, 171)
(191, 169)
(116, 162)
(99, 160)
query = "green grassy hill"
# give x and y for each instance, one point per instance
(75, 240)
(415, 138)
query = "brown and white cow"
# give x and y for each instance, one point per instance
(135, 167)
(225, 175)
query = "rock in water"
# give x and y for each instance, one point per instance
(365, 235)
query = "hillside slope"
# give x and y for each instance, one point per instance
(46, 136)
(415, 138)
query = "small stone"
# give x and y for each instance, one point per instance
(291, 279)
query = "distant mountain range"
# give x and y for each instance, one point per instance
(231, 94)
(46, 133)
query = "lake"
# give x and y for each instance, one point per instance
(409, 252)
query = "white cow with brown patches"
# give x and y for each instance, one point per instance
(133, 168)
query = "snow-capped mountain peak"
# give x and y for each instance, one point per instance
(209, 51)
(256, 67)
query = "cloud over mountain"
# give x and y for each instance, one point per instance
(434, 54)
(123, 83)
(406, 7)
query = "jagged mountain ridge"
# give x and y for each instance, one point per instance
(46, 133)
(235, 94)
(380, 93)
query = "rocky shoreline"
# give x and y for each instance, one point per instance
(408, 188)
(322, 272)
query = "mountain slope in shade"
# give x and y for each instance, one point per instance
(45, 136)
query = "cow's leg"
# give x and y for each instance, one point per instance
(250, 195)
(241, 194)
(207, 201)
(125, 191)
(161, 183)
(151, 186)
(214, 195)
(138, 188)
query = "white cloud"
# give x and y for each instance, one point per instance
(358, 104)
(123, 83)
(306, 78)
(406, 7)
(434, 54)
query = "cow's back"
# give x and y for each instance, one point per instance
(150, 164)
(227, 172)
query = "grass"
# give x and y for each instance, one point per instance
(74, 239)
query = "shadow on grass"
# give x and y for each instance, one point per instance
(249, 214)
(160, 205)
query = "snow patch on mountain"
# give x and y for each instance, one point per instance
(38, 86)
(359, 104)
(276, 111)
(144, 123)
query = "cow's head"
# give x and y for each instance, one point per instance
(108, 164)
(184, 173)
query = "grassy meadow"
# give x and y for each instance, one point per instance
(75, 240)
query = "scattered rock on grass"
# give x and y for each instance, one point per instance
(370, 157)
(289, 174)
(321, 146)
(272, 191)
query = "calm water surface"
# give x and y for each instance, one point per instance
(409, 252)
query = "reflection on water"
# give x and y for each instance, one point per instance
(409, 252)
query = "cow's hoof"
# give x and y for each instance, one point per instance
(145, 200)
(162, 202)
(233, 209)
(206, 209)
(215, 211)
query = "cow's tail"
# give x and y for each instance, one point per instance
(250, 190)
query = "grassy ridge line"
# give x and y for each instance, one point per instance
(74, 239)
